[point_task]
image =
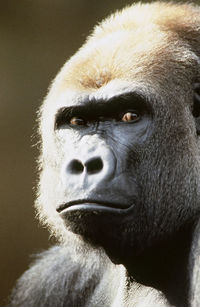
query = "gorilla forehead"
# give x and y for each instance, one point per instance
(127, 60)
(113, 89)
(151, 46)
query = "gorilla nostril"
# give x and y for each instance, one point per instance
(75, 167)
(94, 165)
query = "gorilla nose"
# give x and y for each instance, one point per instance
(92, 170)
(94, 165)
(91, 166)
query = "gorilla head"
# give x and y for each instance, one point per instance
(120, 133)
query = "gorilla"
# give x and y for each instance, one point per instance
(120, 167)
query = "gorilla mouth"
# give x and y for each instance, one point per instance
(90, 204)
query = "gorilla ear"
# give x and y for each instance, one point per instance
(196, 106)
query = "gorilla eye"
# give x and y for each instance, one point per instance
(130, 117)
(77, 121)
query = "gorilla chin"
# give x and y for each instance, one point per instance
(88, 218)
(101, 224)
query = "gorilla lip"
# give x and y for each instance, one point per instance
(94, 204)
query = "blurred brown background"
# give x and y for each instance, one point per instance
(36, 38)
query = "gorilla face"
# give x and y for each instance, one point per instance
(125, 170)
(120, 154)
(105, 138)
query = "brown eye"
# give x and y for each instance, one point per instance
(130, 116)
(77, 121)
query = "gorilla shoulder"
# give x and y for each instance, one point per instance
(60, 277)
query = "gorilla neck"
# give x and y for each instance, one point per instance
(165, 265)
